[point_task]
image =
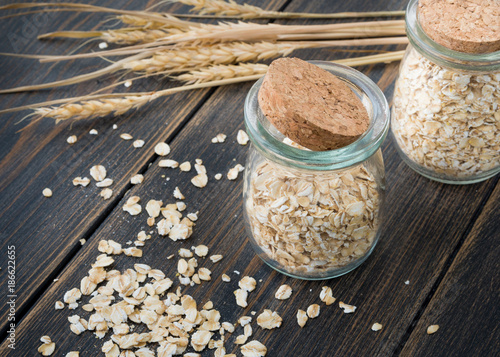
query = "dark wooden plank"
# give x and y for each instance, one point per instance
(425, 222)
(39, 156)
(466, 304)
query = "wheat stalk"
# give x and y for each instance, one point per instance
(225, 32)
(184, 58)
(219, 72)
(104, 104)
(230, 8)
(94, 108)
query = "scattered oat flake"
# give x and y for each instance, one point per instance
(242, 137)
(218, 176)
(47, 192)
(59, 305)
(313, 311)
(104, 183)
(216, 258)
(225, 278)
(233, 173)
(138, 143)
(178, 194)
(83, 241)
(103, 45)
(81, 181)
(185, 166)
(241, 297)
(126, 136)
(432, 329)
(127, 83)
(72, 139)
(347, 308)
(302, 318)
(407, 282)
(244, 320)
(201, 250)
(73, 354)
(284, 292)
(132, 207)
(200, 180)
(247, 283)
(93, 132)
(106, 193)
(376, 327)
(162, 149)
(220, 138)
(193, 216)
(47, 348)
(115, 126)
(326, 295)
(253, 349)
(98, 172)
(136, 179)
(269, 320)
(168, 163)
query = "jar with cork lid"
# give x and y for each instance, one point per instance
(313, 200)
(446, 106)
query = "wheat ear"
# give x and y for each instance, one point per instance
(219, 72)
(231, 9)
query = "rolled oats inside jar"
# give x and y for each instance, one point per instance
(446, 111)
(315, 214)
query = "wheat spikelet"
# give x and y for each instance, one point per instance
(219, 72)
(223, 8)
(140, 22)
(136, 36)
(94, 108)
(184, 58)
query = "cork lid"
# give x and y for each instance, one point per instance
(471, 26)
(311, 106)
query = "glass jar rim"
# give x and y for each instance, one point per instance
(441, 55)
(258, 127)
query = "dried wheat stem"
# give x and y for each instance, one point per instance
(241, 31)
(125, 36)
(104, 104)
(232, 9)
(78, 79)
(154, 17)
(219, 72)
(184, 58)
(94, 108)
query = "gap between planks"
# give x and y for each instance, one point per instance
(37, 295)
(446, 267)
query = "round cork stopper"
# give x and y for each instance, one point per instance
(471, 26)
(311, 106)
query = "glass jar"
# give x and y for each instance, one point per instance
(315, 214)
(446, 109)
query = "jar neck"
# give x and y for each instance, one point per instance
(269, 141)
(441, 55)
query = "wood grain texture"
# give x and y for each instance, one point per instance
(426, 224)
(466, 304)
(40, 157)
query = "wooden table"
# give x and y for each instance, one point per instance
(436, 262)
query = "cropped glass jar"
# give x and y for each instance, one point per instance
(446, 109)
(315, 214)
